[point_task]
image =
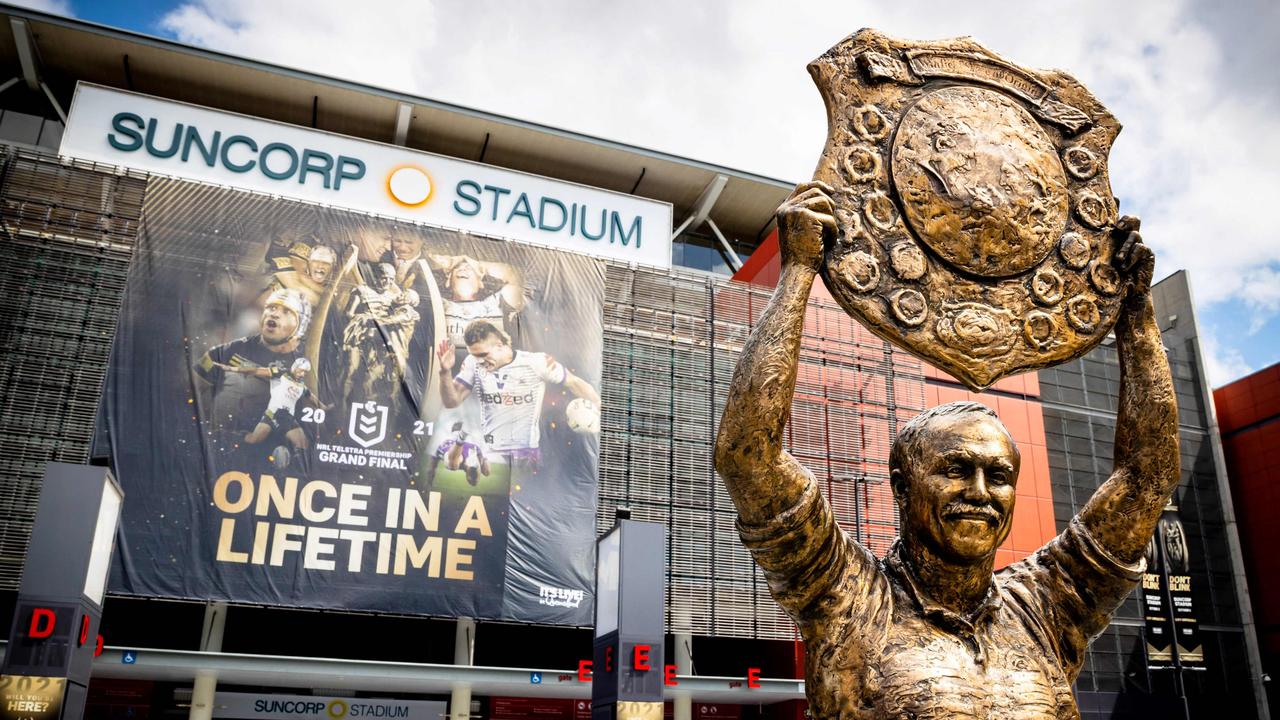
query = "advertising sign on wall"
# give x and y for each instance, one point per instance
(255, 706)
(315, 408)
(160, 136)
(26, 697)
(1171, 622)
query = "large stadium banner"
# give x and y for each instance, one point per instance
(315, 408)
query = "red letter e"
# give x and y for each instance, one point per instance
(584, 671)
(669, 675)
(640, 658)
(753, 677)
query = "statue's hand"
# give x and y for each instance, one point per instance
(1134, 260)
(802, 221)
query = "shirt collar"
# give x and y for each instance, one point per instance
(939, 614)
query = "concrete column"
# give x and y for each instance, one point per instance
(206, 683)
(464, 648)
(682, 704)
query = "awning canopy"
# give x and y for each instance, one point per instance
(396, 677)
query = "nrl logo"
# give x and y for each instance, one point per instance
(368, 425)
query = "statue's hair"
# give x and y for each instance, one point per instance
(905, 444)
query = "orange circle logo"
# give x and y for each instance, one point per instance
(410, 186)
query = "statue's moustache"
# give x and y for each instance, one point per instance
(970, 510)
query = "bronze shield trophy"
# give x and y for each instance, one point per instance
(973, 204)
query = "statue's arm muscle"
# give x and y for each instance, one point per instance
(1123, 513)
(813, 569)
(762, 478)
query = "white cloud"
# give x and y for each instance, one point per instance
(53, 7)
(1260, 288)
(1222, 364)
(726, 82)
(381, 43)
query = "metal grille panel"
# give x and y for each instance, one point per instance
(66, 239)
(671, 344)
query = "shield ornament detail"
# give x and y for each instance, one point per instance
(973, 204)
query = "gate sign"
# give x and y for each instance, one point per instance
(170, 138)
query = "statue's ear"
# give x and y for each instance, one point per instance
(898, 481)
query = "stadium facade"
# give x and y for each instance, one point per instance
(105, 250)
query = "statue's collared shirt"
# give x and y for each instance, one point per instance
(878, 647)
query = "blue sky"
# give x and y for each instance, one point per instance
(1196, 84)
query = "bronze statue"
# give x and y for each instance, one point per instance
(930, 631)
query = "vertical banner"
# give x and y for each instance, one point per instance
(1171, 623)
(1156, 615)
(311, 407)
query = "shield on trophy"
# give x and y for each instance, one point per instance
(973, 204)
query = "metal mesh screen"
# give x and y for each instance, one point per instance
(1081, 398)
(671, 344)
(66, 239)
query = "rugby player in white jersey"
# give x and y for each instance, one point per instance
(509, 384)
(287, 389)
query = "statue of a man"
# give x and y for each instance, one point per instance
(930, 631)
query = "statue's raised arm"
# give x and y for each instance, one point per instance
(762, 478)
(1123, 513)
(810, 564)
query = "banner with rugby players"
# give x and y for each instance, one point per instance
(317, 408)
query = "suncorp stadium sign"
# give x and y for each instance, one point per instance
(252, 706)
(169, 138)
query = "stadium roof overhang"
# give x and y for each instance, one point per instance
(71, 50)
(393, 677)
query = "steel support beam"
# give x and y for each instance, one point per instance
(682, 703)
(26, 48)
(29, 61)
(464, 651)
(404, 113)
(205, 682)
(730, 254)
(701, 210)
(57, 107)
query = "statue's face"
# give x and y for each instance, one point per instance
(960, 500)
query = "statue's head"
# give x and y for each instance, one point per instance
(954, 469)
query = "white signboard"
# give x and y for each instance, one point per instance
(170, 138)
(253, 706)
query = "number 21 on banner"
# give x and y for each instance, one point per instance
(423, 428)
